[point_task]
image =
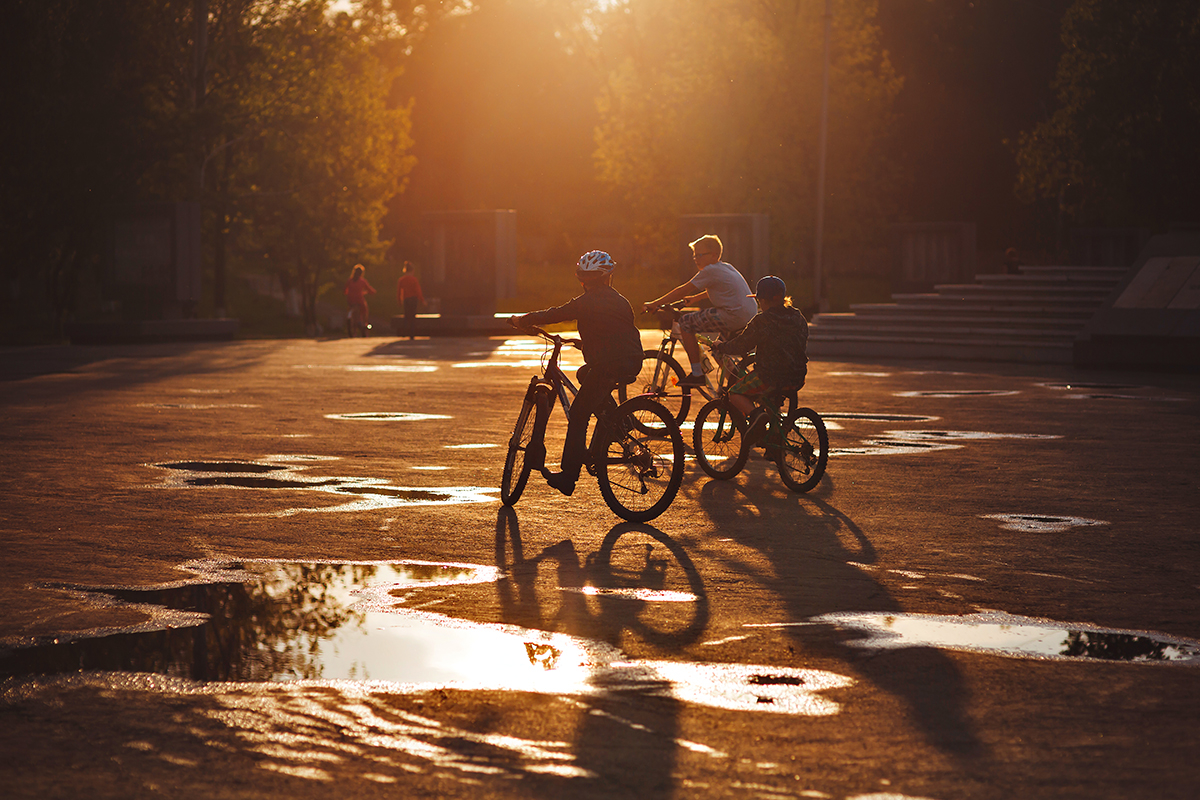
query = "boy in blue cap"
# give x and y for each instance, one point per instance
(778, 335)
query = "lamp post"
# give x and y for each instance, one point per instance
(818, 243)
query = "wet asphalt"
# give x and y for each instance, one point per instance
(750, 642)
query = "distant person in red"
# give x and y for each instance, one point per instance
(408, 295)
(356, 292)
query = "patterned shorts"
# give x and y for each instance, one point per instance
(706, 319)
(749, 384)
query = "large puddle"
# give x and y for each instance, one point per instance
(287, 472)
(282, 622)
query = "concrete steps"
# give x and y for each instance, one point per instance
(1031, 317)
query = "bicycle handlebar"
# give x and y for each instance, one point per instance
(534, 330)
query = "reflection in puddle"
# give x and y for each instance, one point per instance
(388, 416)
(902, 442)
(959, 393)
(1005, 634)
(372, 493)
(343, 621)
(1036, 523)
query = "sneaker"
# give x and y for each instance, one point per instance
(561, 481)
(756, 431)
(693, 380)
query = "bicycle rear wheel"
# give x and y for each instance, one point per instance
(804, 452)
(717, 439)
(530, 422)
(660, 381)
(640, 466)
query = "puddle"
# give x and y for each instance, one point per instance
(1009, 635)
(287, 622)
(879, 417)
(221, 466)
(859, 374)
(468, 446)
(197, 406)
(372, 367)
(1089, 385)
(1038, 523)
(948, 393)
(1124, 397)
(371, 493)
(388, 416)
(904, 442)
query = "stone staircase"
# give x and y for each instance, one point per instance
(1032, 317)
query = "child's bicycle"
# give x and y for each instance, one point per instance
(636, 451)
(662, 372)
(794, 438)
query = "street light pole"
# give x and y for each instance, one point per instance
(818, 289)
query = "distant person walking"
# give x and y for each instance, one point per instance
(356, 292)
(409, 296)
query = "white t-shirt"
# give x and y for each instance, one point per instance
(728, 291)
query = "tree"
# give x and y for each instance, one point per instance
(328, 154)
(275, 115)
(1120, 149)
(713, 106)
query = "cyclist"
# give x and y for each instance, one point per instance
(725, 288)
(778, 335)
(612, 350)
(356, 292)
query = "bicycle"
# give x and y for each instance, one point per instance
(795, 438)
(662, 372)
(636, 451)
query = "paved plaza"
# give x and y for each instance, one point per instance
(310, 588)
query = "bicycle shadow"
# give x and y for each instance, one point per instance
(626, 738)
(818, 553)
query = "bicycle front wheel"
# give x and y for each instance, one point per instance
(717, 439)
(804, 452)
(640, 466)
(534, 410)
(660, 379)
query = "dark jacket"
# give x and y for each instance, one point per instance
(606, 327)
(779, 339)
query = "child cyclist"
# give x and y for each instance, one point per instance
(778, 335)
(726, 289)
(612, 348)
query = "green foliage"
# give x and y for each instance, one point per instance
(1120, 149)
(713, 106)
(278, 120)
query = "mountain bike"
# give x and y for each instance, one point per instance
(636, 451)
(794, 438)
(661, 371)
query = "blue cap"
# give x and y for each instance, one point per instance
(769, 287)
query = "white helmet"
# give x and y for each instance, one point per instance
(597, 262)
